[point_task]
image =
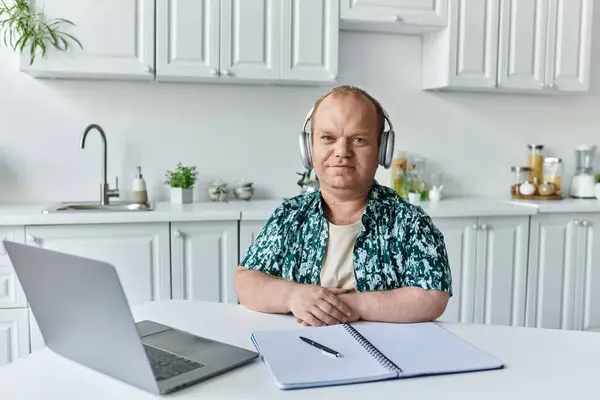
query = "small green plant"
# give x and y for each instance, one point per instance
(598, 178)
(182, 177)
(21, 27)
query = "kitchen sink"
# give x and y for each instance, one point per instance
(96, 207)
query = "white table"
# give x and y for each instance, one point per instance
(540, 364)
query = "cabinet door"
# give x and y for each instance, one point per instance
(117, 38)
(552, 268)
(249, 230)
(474, 43)
(14, 335)
(384, 14)
(187, 40)
(250, 39)
(569, 44)
(461, 244)
(522, 51)
(310, 40)
(139, 252)
(587, 288)
(11, 292)
(501, 274)
(204, 259)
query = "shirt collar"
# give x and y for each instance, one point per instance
(369, 216)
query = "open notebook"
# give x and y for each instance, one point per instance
(368, 352)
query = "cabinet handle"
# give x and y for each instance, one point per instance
(585, 223)
(227, 72)
(484, 227)
(147, 69)
(31, 239)
(474, 227)
(397, 18)
(214, 72)
(576, 223)
(177, 233)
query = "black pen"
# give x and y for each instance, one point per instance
(320, 346)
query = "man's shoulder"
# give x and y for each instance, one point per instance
(389, 205)
(296, 207)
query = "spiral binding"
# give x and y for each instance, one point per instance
(372, 350)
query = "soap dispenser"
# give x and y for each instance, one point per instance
(140, 194)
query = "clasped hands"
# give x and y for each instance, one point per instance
(314, 305)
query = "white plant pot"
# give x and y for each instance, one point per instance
(597, 190)
(182, 196)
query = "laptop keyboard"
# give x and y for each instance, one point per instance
(167, 365)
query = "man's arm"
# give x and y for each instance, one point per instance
(259, 284)
(426, 280)
(409, 304)
(262, 292)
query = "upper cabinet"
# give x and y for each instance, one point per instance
(218, 40)
(403, 16)
(117, 38)
(529, 46)
(228, 41)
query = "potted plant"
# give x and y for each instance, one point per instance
(182, 180)
(597, 187)
(22, 27)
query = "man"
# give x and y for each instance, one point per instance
(354, 249)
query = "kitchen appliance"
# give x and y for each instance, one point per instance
(582, 185)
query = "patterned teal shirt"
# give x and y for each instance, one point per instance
(398, 245)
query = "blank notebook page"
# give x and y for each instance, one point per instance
(426, 348)
(296, 363)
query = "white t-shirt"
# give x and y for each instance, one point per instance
(337, 269)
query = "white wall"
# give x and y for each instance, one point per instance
(232, 132)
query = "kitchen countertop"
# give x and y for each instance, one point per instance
(260, 210)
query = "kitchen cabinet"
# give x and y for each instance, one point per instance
(11, 292)
(309, 41)
(510, 46)
(218, 40)
(139, 252)
(117, 38)
(237, 41)
(14, 335)
(402, 16)
(204, 256)
(488, 260)
(564, 277)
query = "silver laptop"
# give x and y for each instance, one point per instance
(83, 315)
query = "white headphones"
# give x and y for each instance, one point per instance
(386, 143)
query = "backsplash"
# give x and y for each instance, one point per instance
(235, 132)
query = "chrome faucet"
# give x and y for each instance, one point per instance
(105, 191)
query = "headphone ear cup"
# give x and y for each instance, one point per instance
(305, 149)
(386, 148)
(382, 147)
(389, 148)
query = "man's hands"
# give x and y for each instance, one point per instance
(314, 305)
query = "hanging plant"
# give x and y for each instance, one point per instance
(22, 27)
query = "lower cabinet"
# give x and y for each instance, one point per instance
(204, 256)
(139, 252)
(488, 260)
(564, 272)
(14, 334)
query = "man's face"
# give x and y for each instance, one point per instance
(345, 142)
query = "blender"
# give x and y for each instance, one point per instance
(582, 185)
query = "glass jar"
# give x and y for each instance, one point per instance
(552, 173)
(535, 161)
(521, 175)
(398, 168)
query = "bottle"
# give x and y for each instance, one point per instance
(140, 194)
